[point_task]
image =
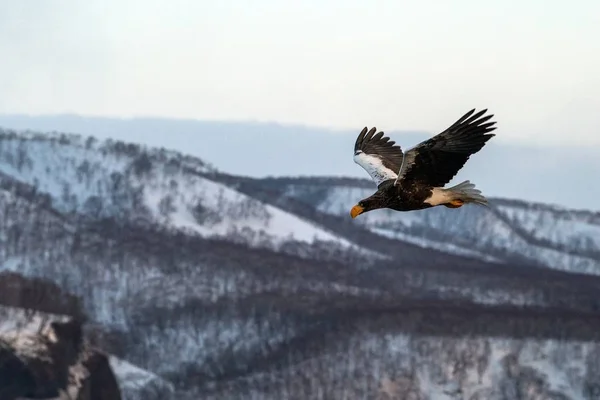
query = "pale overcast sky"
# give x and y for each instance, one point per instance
(340, 64)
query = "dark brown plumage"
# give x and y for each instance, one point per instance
(414, 180)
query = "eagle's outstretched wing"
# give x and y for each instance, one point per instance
(437, 160)
(377, 155)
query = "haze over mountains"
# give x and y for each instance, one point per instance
(562, 175)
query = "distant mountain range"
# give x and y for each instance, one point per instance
(221, 285)
(561, 175)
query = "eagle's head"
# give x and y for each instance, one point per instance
(365, 205)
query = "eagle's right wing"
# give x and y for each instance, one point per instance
(377, 155)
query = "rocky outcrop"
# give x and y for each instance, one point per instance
(55, 364)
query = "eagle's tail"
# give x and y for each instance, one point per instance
(463, 193)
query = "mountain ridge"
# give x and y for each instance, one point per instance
(505, 169)
(140, 165)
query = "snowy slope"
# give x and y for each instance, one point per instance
(533, 365)
(133, 379)
(551, 236)
(556, 226)
(14, 321)
(436, 368)
(111, 178)
(104, 179)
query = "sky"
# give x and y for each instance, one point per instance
(399, 65)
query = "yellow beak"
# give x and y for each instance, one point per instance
(356, 210)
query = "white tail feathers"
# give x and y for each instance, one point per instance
(465, 192)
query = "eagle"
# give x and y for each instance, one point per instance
(415, 180)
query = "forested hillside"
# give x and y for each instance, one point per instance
(216, 286)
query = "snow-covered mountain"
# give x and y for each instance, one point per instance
(221, 286)
(104, 179)
(539, 234)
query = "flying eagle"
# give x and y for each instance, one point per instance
(415, 180)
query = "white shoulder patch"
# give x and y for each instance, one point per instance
(374, 167)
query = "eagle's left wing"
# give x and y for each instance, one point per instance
(437, 160)
(377, 155)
